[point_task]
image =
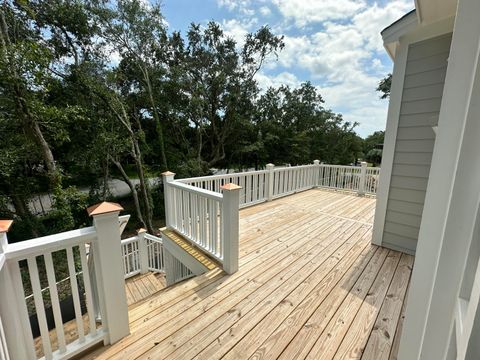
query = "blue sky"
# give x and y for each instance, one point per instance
(335, 44)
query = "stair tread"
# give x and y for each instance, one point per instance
(191, 249)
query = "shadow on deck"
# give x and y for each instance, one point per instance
(310, 286)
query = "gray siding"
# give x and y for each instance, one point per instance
(421, 99)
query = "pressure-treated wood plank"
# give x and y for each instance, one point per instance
(222, 300)
(301, 260)
(398, 332)
(331, 338)
(218, 347)
(197, 253)
(320, 282)
(308, 336)
(250, 270)
(356, 338)
(381, 337)
(286, 331)
(182, 291)
(209, 298)
(242, 311)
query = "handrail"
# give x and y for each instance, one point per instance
(193, 189)
(38, 246)
(220, 176)
(153, 238)
(129, 240)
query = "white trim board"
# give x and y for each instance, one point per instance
(424, 300)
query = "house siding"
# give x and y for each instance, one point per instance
(421, 98)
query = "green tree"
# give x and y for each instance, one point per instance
(217, 83)
(295, 128)
(372, 147)
(384, 86)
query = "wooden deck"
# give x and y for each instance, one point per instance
(143, 286)
(137, 288)
(310, 286)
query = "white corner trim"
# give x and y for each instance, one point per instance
(393, 117)
(419, 11)
(425, 335)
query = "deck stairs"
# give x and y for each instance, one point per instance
(183, 259)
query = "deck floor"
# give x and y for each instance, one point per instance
(137, 288)
(310, 286)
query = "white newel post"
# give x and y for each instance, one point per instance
(13, 318)
(363, 178)
(231, 200)
(169, 206)
(270, 178)
(109, 270)
(316, 173)
(142, 250)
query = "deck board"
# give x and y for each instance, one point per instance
(310, 285)
(137, 288)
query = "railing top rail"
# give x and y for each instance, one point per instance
(292, 168)
(193, 189)
(153, 238)
(349, 166)
(222, 176)
(42, 245)
(129, 240)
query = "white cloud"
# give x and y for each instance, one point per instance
(336, 44)
(265, 10)
(241, 6)
(304, 12)
(284, 78)
(343, 60)
(237, 29)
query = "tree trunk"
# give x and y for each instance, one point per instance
(156, 117)
(22, 211)
(132, 189)
(23, 110)
(143, 185)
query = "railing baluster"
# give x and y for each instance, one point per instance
(39, 307)
(57, 315)
(248, 189)
(75, 295)
(88, 290)
(4, 354)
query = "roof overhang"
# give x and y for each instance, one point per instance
(402, 26)
(430, 11)
(426, 12)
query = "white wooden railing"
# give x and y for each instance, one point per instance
(142, 253)
(207, 218)
(24, 265)
(205, 209)
(275, 182)
(253, 185)
(289, 180)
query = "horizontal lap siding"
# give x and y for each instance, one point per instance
(421, 99)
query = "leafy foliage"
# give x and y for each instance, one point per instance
(92, 90)
(384, 86)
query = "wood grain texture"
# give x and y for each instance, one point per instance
(305, 262)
